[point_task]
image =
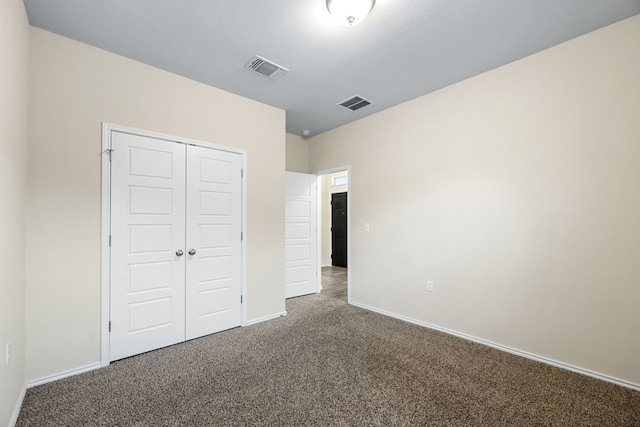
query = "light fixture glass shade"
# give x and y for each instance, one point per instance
(350, 12)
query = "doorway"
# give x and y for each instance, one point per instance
(339, 229)
(334, 232)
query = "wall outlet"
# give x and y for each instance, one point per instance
(7, 353)
(430, 285)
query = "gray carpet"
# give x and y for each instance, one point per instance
(329, 363)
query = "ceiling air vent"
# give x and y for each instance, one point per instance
(266, 68)
(355, 103)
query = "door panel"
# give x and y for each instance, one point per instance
(300, 235)
(147, 228)
(149, 314)
(213, 273)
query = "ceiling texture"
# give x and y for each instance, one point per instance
(404, 49)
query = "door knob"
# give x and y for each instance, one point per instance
(179, 252)
(192, 251)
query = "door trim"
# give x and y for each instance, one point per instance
(349, 227)
(105, 226)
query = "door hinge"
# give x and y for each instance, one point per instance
(240, 299)
(109, 325)
(109, 240)
(241, 173)
(241, 235)
(109, 151)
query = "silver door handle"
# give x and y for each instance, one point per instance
(179, 252)
(192, 251)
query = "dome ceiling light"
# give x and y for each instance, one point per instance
(350, 12)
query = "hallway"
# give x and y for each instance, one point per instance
(334, 282)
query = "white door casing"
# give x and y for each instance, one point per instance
(213, 284)
(162, 197)
(147, 228)
(300, 235)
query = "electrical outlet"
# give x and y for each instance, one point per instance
(7, 353)
(429, 285)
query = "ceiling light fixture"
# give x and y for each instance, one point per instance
(350, 12)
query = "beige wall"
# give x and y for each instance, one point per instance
(74, 88)
(517, 193)
(14, 63)
(297, 154)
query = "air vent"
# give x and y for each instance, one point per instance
(266, 68)
(355, 103)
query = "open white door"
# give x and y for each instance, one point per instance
(300, 235)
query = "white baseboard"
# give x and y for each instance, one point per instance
(61, 375)
(16, 409)
(265, 318)
(508, 349)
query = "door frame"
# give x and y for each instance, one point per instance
(319, 173)
(105, 226)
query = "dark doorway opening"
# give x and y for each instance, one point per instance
(339, 229)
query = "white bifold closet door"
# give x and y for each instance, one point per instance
(175, 243)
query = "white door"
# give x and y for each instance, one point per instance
(147, 233)
(300, 235)
(175, 243)
(213, 283)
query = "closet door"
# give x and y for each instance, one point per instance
(213, 263)
(147, 299)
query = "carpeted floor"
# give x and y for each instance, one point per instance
(328, 363)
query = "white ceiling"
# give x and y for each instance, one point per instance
(404, 49)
